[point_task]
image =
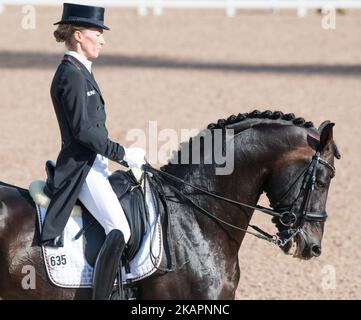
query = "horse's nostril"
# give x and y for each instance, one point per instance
(316, 250)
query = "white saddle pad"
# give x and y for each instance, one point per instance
(67, 267)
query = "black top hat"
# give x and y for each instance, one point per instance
(78, 14)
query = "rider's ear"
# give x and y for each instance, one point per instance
(77, 35)
(326, 134)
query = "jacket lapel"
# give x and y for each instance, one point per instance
(89, 76)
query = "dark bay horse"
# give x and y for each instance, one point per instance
(279, 154)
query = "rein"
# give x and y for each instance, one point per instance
(287, 218)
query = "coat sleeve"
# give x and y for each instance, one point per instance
(73, 88)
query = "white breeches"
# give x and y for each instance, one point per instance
(99, 198)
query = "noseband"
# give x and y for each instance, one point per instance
(288, 216)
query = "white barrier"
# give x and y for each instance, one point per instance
(230, 6)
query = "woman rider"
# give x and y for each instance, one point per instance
(81, 169)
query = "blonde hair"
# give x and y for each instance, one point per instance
(64, 33)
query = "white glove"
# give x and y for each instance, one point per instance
(134, 157)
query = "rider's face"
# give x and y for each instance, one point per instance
(90, 42)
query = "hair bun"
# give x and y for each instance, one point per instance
(59, 36)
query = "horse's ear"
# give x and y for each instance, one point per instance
(322, 125)
(326, 134)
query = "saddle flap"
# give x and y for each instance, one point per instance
(131, 198)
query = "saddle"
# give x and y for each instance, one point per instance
(131, 198)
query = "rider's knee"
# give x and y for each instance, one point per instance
(125, 230)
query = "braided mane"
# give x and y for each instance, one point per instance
(256, 114)
(233, 119)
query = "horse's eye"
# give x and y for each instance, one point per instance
(321, 184)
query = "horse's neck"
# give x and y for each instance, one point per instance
(244, 185)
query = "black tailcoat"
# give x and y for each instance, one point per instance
(79, 108)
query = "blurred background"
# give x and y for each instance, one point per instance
(186, 66)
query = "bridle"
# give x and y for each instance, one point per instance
(289, 216)
(290, 213)
(292, 216)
